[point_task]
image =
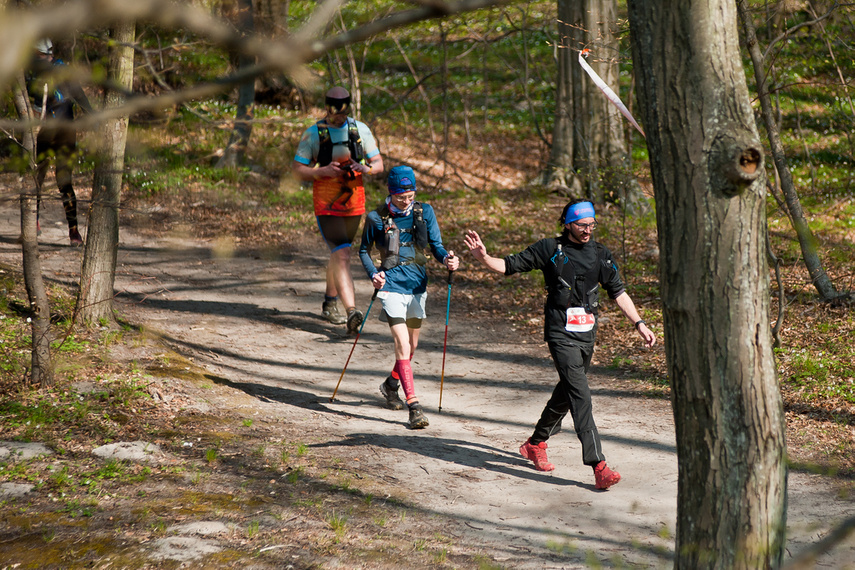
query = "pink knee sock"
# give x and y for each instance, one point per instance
(405, 371)
(394, 374)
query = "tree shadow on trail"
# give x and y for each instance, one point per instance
(278, 395)
(458, 452)
(312, 323)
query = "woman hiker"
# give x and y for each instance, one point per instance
(401, 229)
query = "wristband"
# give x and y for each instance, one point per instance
(639, 322)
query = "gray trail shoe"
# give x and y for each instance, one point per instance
(418, 420)
(354, 319)
(393, 401)
(331, 313)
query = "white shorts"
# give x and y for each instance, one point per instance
(402, 306)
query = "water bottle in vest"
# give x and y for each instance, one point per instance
(393, 244)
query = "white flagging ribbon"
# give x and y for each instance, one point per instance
(607, 90)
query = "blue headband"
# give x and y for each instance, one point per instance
(578, 211)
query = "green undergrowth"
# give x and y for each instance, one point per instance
(284, 492)
(280, 491)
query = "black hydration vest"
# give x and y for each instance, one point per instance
(390, 252)
(573, 290)
(354, 143)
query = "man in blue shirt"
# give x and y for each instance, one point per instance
(334, 155)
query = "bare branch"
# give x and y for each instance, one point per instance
(142, 103)
(319, 20)
(807, 559)
(794, 29)
(843, 82)
(399, 19)
(20, 29)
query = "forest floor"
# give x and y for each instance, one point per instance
(255, 466)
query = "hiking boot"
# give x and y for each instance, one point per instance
(354, 319)
(393, 401)
(75, 237)
(537, 454)
(604, 476)
(418, 420)
(330, 313)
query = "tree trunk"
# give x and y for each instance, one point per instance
(819, 277)
(41, 363)
(599, 137)
(42, 366)
(707, 169)
(235, 151)
(560, 171)
(600, 151)
(95, 301)
(589, 153)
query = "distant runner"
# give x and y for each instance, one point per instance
(574, 267)
(56, 100)
(334, 154)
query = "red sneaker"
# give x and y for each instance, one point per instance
(536, 453)
(605, 477)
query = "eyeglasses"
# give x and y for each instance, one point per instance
(404, 197)
(586, 227)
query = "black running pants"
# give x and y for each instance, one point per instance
(573, 395)
(59, 145)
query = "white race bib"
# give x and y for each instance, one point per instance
(578, 320)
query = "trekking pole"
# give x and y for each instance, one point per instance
(365, 318)
(445, 341)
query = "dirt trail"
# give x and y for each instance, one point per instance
(255, 322)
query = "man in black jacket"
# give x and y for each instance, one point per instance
(574, 268)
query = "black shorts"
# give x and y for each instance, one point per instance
(338, 231)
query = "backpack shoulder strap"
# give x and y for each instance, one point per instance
(565, 273)
(556, 248)
(354, 141)
(420, 232)
(323, 131)
(324, 143)
(383, 211)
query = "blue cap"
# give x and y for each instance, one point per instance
(579, 211)
(401, 179)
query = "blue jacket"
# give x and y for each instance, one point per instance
(409, 277)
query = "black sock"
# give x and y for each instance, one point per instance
(392, 383)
